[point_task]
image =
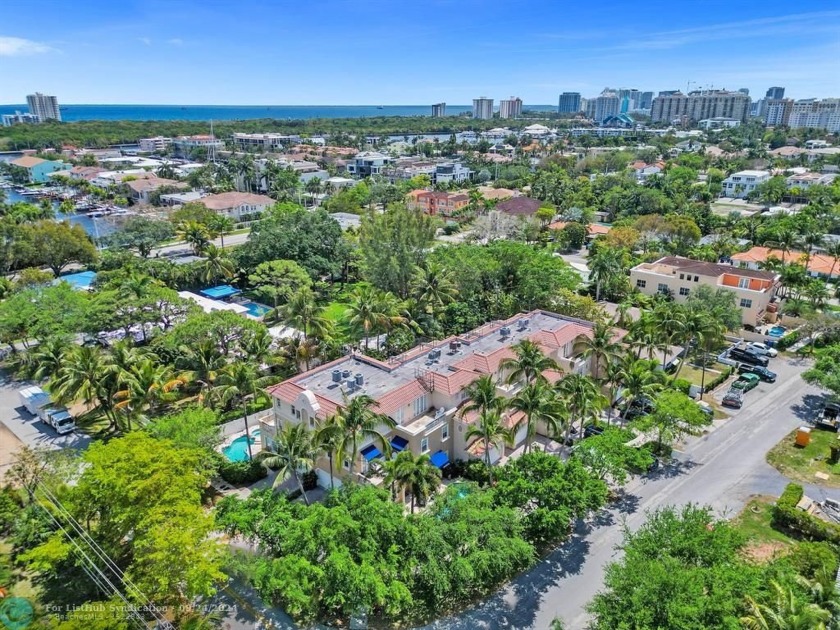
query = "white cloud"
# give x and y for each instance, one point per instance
(18, 47)
(176, 41)
(145, 40)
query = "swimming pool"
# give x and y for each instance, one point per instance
(237, 451)
(255, 309)
(777, 331)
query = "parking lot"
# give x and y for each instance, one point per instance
(785, 370)
(28, 429)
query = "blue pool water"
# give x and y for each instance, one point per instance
(255, 309)
(777, 331)
(237, 451)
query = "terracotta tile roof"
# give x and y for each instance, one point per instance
(400, 397)
(153, 183)
(519, 206)
(454, 381)
(552, 376)
(224, 201)
(485, 363)
(819, 263)
(27, 161)
(712, 270)
(593, 229)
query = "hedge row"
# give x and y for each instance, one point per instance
(725, 374)
(787, 516)
(239, 473)
(788, 340)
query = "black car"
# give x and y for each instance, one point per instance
(592, 429)
(747, 356)
(761, 372)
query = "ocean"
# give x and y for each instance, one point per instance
(70, 113)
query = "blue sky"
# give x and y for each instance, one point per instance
(390, 52)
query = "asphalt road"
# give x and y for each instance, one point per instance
(28, 428)
(230, 240)
(721, 469)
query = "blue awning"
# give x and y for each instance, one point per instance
(220, 292)
(371, 452)
(398, 443)
(440, 459)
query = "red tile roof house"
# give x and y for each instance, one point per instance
(236, 205)
(140, 190)
(422, 389)
(519, 206)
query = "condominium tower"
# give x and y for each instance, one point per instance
(569, 103)
(700, 105)
(439, 110)
(510, 108)
(483, 108)
(43, 106)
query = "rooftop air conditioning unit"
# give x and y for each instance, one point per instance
(505, 331)
(439, 412)
(336, 376)
(360, 379)
(345, 374)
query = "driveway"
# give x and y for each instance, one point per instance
(27, 428)
(721, 469)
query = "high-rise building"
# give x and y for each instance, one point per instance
(439, 110)
(19, 118)
(775, 93)
(603, 106)
(824, 114)
(569, 103)
(744, 91)
(483, 108)
(777, 111)
(645, 101)
(43, 106)
(510, 108)
(700, 105)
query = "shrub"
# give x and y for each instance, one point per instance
(808, 558)
(681, 385)
(725, 374)
(476, 470)
(787, 516)
(241, 473)
(788, 340)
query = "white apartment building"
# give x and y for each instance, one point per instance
(43, 106)
(423, 389)
(158, 144)
(368, 163)
(263, 141)
(816, 114)
(185, 144)
(19, 118)
(510, 108)
(483, 108)
(742, 183)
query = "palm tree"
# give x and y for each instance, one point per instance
(301, 312)
(640, 379)
(87, 374)
(372, 310)
(236, 383)
(215, 265)
(601, 346)
(583, 399)
(481, 396)
(359, 422)
(219, 225)
(786, 240)
(137, 284)
(668, 320)
(540, 404)
(812, 237)
(142, 387)
(833, 250)
(328, 438)
(490, 428)
(294, 449)
(529, 363)
(613, 380)
(202, 362)
(300, 350)
(48, 357)
(604, 268)
(433, 288)
(415, 474)
(786, 612)
(194, 234)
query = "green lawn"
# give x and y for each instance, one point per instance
(801, 464)
(754, 521)
(334, 311)
(694, 374)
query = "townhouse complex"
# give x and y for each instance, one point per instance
(423, 389)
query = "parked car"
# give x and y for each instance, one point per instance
(734, 398)
(746, 382)
(592, 429)
(706, 408)
(829, 417)
(762, 372)
(639, 407)
(748, 356)
(763, 348)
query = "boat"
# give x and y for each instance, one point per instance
(95, 214)
(381, 107)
